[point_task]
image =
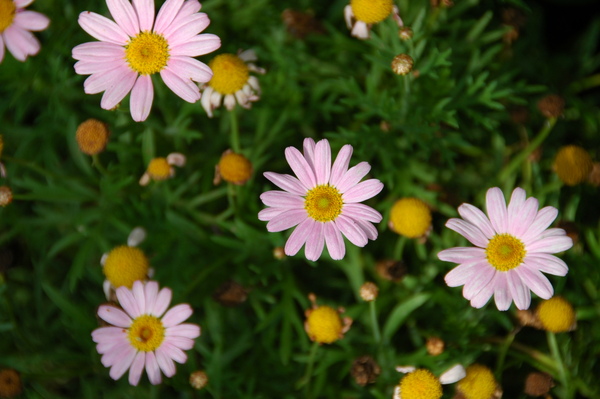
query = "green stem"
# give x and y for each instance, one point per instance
(96, 162)
(562, 372)
(502, 353)
(305, 381)
(586, 83)
(399, 248)
(235, 132)
(535, 143)
(374, 322)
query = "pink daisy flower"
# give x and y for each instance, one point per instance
(323, 201)
(513, 248)
(138, 46)
(16, 25)
(142, 337)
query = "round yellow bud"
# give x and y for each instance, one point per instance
(234, 168)
(92, 136)
(159, 169)
(573, 165)
(556, 315)
(420, 384)
(124, 265)
(324, 325)
(410, 217)
(479, 383)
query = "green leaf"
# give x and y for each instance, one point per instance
(401, 313)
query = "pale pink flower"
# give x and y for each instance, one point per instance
(16, 25)
(323, 201)
(138, 46)
(142, 337)
(513, 247)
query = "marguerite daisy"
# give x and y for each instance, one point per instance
(324, 201)
(513, 247)
(138, 46)
(360, 15)
(141, 337)
(16, 25)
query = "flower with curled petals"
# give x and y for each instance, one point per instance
(323, 201)
(142, 335)
(513, 248)
(16, 25)
(137, 45)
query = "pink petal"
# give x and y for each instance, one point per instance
(464, 272)
(185, 89)
(286, 220)
(177, 314)
(547, 263)
(184, 330)
(120, 367)
(142, 96)
(300, 167)
(334, 241)
(197, 46)
(1, 49)
(353, 176)
(164, 361)
(22, 3)
(308, 146)
(124, 15)
(152, 368)
(181, 343)
(484, 295)
(368, 228)
(362, 212)
(286, 182)
(139, 296)
(298, 237)
(162, 302)
(113, 315)
(517, 199)
(269, 213)
(117, 354)
(98, 51)
(135, 372)
(469, 231)
(166, 14)
(519, 291)
(351, 231)
(281, 199)
(478, 282)
(188, 8)
(535, 280)
(116, 92)
(363, 191)
(315, 242)
(502, 295)
(20, 43)
(174, 352)
(541, 222)
(551, 245)
(108, 333)
(102, 28)
(496, 209)
(145, 12)
(31, 20)
(322, 166)
(476, 217)
(90, 67)
(462, 254)
(340, 165)
(150, 294)
(128, 302)
(112, 345)
(100, 81)
(183, 29)
(523, 221)
(190, 68)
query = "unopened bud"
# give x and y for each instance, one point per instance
(369, 291)
(198, 379)
(402, 64)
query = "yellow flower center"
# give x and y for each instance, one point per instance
(147, 53)
(371, 11)
(410, 217)
(146, 333)
(556, 315)
(124, 265)
(323, 203)
(324, 325)
(573, 165)
(479, 383)
(159, 169)
(230, 73)
(235, 168)
(92, 136)
(7, 14)
(505, 252)
(420, 384)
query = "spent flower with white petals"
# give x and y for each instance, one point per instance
(513, 248)
(360, 15)
(136, 46)
(16, 25)
(423, 384)
(162, 168)
(323, 201)
(231, 82)
(142, 336)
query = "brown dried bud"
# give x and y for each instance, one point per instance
(92, 136)
(230, 294)
(519, 114)
(594, 176)
(6, 195)
(391, 269)
(198, 379)
(435, 346)
(365, 370)
(551, 106)
(538, 384)
(369, 291)
(301, 24)
(279, 253)
(10, 383)
(527, 318)
(405, 33)
(402, 64)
